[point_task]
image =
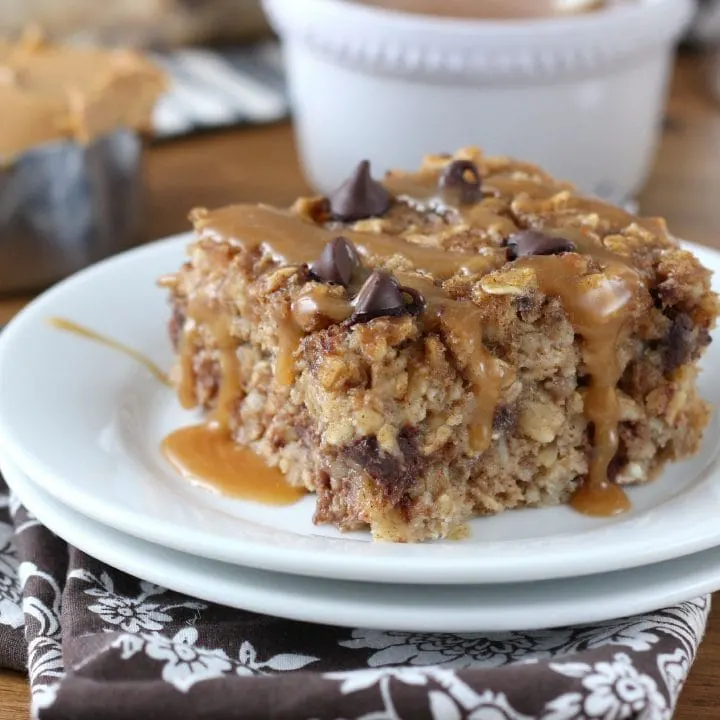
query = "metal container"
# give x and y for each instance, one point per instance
(64, 206)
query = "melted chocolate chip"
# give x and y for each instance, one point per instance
(505, 419)
(417, 302)
(680, 342)
(394, 474)
(657, 300)
(177, 323)
(359, 197)
(533, 242)
(463, 177)
(336, 264)
(528, 307)
(380, 295)
(616, 465)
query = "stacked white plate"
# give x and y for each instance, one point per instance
(80, 432)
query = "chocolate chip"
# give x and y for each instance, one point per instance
(377, 463)
(616, 465)
(524, 304)
(463, 177)
(680, 342)
(177, 323)
(394, 474)
(505, 418)
(533, 242)
(417, 301)
(359, 197)
(657, 300)
(380, 295)
(336, 264)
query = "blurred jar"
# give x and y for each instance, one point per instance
(137, 23)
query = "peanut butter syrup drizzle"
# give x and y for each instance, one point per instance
(461, 326)
(186, 383)
(423, 189)
(207, 312)
(82, 331)
(207, 454)
(598, 305)
(292, 241)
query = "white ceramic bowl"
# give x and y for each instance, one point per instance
(581, 95)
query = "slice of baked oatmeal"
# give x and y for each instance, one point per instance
(468, 338)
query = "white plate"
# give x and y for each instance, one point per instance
(86, 422)
(412, 608)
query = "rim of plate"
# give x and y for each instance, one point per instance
(461, 609)
(326, 557)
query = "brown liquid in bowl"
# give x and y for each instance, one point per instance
(490, 9)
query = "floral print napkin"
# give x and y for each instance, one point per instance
(98, 643)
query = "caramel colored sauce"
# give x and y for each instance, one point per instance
(490, 9)
(598, 303)
(216, 320)
(461, 326)
(486, 215)
(289, 337)
(462, 329)
(293, 241)
(311, 305)
(603, 500)
(598, 306)
(208, 456)
(510, 187)
(186, 386)
(81, 331)
(206, 453)
(459, 323)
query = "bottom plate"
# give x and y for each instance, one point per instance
(520, 606)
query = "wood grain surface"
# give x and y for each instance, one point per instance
(259, 164)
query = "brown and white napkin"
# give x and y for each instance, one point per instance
(97, 643)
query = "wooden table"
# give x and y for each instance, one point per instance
(248, 165)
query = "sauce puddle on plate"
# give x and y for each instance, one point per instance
(205, 454)
(209, 457)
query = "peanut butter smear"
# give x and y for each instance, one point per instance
(491, 9)
(51, 93)
(601, 292)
